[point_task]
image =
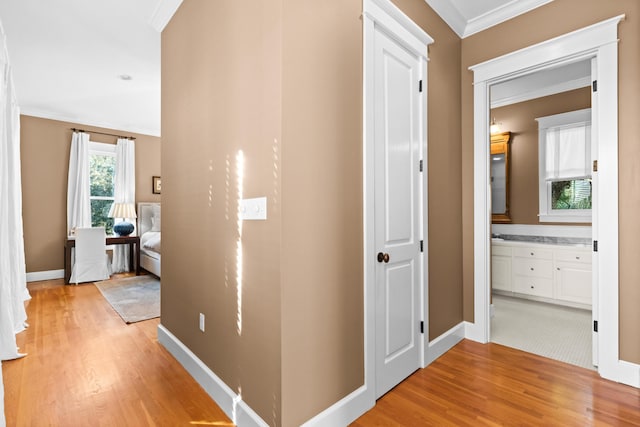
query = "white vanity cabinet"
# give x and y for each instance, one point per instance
(573, 275)
(501, 268)
(551, 273)
(533, 271)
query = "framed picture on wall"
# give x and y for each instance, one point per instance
(157, 185)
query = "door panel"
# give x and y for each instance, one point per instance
(397, 211)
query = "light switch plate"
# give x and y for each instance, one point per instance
(253, 209)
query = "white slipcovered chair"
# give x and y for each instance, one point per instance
(91, 260)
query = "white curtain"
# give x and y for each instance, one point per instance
(13, 284)
(78, 187)
(125, 192)
(568, 152)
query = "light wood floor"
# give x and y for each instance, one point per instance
(491, 385)
(85, 367)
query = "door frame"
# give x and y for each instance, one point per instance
(385, 15)
(599, 41)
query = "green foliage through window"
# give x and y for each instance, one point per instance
(101, 177)
(573, 194)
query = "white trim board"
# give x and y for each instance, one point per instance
(444, 343)
(598, 42)
(385, 15)
(37, 276)
(163, 13)
(230, 402)
(464, 27)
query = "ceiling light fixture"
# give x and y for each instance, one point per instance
(125, 77)
(495, 127)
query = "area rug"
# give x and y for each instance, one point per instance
(134, 298)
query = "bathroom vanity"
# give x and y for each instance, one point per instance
(553, 272)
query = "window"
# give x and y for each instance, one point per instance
(102, 168)
(565, 167)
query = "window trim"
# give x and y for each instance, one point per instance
(546, 214)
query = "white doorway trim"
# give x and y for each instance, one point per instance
(381, 14)
(597, 41)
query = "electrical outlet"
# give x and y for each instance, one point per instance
(202, 322)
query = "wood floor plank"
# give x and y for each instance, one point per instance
(491, 385)
(85, 366)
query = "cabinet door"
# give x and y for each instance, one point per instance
(573, 282)
(501, 273)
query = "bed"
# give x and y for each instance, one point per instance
(149, 221)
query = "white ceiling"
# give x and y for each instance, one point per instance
(542, 83)
(67, 55)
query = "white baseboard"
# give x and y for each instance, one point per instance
(444, 343)
(627, 373)
(37, 276)
(229, 401)
(474, 333)
(345, 411)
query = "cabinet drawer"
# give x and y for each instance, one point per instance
(536, 286)
(573, 256)
(533, 267)
(500, 251)
(531, 252)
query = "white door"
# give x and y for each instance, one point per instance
(397, 201)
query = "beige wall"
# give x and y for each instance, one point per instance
(221, 95)
(322, 279)
(299, 123)
(520, 120)
(551, 20)
(44, 150)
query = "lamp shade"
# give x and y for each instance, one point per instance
(122, 210)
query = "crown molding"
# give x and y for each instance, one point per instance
(534, 93)
(501, 14)
(26, 111)
(464, 28)
(450, 14)
(163, 13)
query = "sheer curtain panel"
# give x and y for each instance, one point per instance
(78, 187)
(13, 284)
(125, 192)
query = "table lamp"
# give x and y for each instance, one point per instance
(124, 211)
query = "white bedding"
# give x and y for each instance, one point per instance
(149, 232)
(150, 241)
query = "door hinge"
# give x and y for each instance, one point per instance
(595, 166)
(595, 85)
(420, 86)
(421, 245)
(421, 166)
(595, 246)
(595, 326)
(422, 327)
